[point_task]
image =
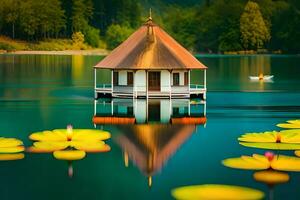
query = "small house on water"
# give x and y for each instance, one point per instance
(150, 64)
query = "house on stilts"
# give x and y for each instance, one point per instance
(150, 64)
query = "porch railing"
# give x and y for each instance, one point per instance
(196, 86)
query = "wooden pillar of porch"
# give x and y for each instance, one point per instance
(95, 83)
(189, 78)
(147, 84)
(112, 82)
(170, 90)
(204, 80)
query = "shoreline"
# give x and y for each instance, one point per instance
(104, 52)
(99, 52)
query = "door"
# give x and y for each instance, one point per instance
(116, 78)
(154, 111)
(186, 78)
(130, 78)
(154, 81)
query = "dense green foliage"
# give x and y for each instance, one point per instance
(254, 30)
(200, 25)
(116, 34)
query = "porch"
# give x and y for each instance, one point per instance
(134, 92)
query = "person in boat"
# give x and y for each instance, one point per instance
(261, 76)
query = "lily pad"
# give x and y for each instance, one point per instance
(256, 162)
(14, 156)
(69, 155)
(260, 162)
(16, 149)
(285, 136)
(9, 142)
(290, 124)
(87, 146)
(273, 146)
(73, 134)
(214, 191)
(271, 177)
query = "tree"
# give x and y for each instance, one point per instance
(181, 24)
(11, 13)
(254, 31)
(82, 12)
(78, 40)
(116, 34)
(92, 36)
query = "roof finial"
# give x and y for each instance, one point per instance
(150, 14)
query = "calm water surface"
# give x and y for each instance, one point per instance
(46, 92)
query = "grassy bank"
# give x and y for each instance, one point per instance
(10, 45)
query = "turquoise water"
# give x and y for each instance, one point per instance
(47, 92)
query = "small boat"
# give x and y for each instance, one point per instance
(265, 77)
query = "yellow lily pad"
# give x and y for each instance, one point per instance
(10, 142)
(47, 147)
(92, 148)
(286, 163)
(290, 124)
(214, 191)
(260, 162)
(14, 156)
(48, 136)
(285, 136)
(68, 135)
(69, 155)
(90, 134)
(297, 153)
(256, 162)
(15, 149)
(87, 146)
(269, 136)
(274, 146)
(271, 177)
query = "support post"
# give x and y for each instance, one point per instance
(205, 79)
(112, 82)
(112, 107)
(95, 78)
(189, 78)
(189, 108)
(204, 109)
(147, 84)
(170, 92)
(133, 86)
(95, 83)
(204, 94)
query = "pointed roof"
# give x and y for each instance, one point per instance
(150, 47)
(150, 146)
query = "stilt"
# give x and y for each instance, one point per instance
(95, 83)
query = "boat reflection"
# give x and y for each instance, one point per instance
(150, 131)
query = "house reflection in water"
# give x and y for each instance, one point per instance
(151, 130)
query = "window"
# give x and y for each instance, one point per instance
(175, 78)
(116, 78)
(186, 78)
(130, 78)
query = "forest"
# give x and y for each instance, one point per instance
(212, 26)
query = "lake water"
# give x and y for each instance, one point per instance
(41, 92)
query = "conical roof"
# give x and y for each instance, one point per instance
(151, 145)
(150, 47)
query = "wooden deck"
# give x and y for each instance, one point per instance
(128, 92)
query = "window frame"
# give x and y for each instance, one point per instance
(176, 79)
(130, 78)
(116, 78)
